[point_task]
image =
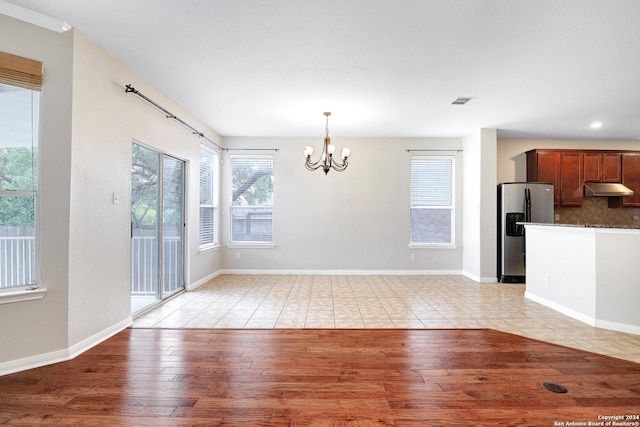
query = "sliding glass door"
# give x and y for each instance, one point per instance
(157, 226)
(172, 225)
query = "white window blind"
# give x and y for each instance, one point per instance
(432, 199)
(208, 197)
(21, 72)
(251, 198)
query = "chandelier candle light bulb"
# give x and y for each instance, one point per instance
(308, 151)
(326, 162)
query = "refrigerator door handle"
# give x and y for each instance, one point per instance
(527, 205)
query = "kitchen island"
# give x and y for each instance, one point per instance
(588, 272)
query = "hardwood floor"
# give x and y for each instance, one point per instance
(322, 377)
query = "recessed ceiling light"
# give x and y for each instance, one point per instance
(596, 125)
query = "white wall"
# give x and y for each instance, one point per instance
(105, 121)
(88, 127)
(489, 201)
(479, 201)
(356, 220)
(567, 257)
(617, 278)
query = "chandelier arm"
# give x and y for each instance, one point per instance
(313, 166)
(339, 166)
(327, 164)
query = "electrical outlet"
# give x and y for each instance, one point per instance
(547, 280)
(635, 217)
(413, 257)
(557, 217)
(237, 255)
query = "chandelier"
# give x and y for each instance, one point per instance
(326, 161)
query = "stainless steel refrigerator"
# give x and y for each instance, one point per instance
(519, 202)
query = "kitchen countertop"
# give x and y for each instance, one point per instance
(624, 227)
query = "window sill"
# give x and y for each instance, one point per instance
(205, 249)
(433, 246)
(251, 245)
(23, 294)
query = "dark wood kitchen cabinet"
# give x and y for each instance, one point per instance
(571, 179)
(544, 166)
(631, 178)
(563, 168)
(602, 167)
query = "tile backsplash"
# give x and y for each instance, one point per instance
(595, 210)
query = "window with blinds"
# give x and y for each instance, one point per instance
(20, 84)
(432, 200)
(208, 197)
(251, 198)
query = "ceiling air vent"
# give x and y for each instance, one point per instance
(461, 100)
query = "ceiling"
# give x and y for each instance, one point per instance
(535, 69)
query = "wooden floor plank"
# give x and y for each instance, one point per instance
(368, 377)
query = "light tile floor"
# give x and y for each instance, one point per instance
(323, 301)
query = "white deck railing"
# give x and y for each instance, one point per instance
(144, 265)
(17, 261)
(18, 255)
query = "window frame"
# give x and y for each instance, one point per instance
(215, 202)
(451, 207)
(249, 243)
(26, 74)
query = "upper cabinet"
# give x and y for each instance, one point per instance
(544, 166)
(631, 178)
(602, 167)
(571, 182)
(568, 170)
(563, 169)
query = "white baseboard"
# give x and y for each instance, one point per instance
(202, 281)
(349, 272)
(65, 354)
(31, 362)
(479, 279)
(591, 321)
(619, 327)
(96, 339)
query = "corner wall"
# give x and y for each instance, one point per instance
(88, 125)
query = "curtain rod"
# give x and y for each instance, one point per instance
(252, 149)
(170, 115)
(409, 150)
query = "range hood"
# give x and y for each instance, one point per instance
(606, 189)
